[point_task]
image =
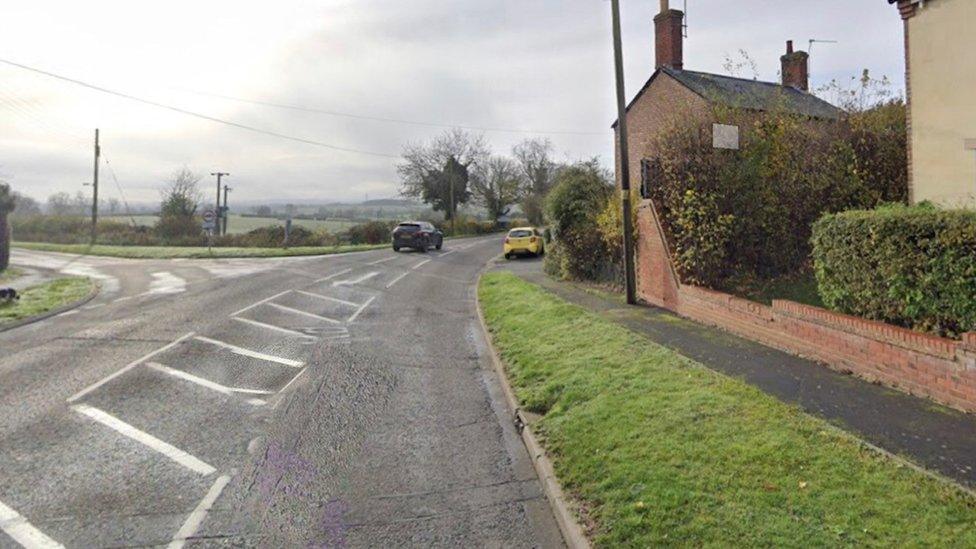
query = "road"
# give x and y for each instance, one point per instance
(343, 400)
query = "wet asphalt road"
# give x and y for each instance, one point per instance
(314, 402)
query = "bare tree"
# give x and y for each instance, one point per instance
(438, 172)
(180, 199)
(534, 157)
(26, 205)
(113, 206)
(495, 185)
(59, 204)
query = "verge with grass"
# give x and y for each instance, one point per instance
(10, 273)
(657, 449)
(190, 252)
(44, 298)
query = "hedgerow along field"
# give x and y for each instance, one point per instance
(237, 224)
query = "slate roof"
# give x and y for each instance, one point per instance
(747, 94)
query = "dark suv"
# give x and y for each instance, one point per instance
(418, 235)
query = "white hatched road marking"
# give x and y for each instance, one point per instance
(287, 385)
(303, 313)
(168, 450)
(128, 367)
(166, 283)
(333, 275)
(421, 264)
(397, 279)
(384, 260)
(253, 354)
(193, 522)
(17, 527)
(351, 281)
(272, 327)
(328, 298)
(360, 309)
(262, 302)
(186, 376)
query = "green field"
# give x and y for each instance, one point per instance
(660, 451)
(237, 224)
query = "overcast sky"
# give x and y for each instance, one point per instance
(529, 65)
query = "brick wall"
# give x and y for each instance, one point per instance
(921, 364)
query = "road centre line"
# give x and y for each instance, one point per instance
(351, 281)
(328, 298)
(333, 275)
(384, 260)
(195, 519)
(253, 354)
(128, 367)
(168, 450)
(273, 327)
(397, 279)
(449, 252)
(16, 526)
(262, 302)
(421, 264)
(186, 376)
(304, 313)
(360, 309)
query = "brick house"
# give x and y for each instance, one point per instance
(940, 75)
(673, 94)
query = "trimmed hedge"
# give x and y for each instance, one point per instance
(910, 266)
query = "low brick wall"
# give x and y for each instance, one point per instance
(921, 364)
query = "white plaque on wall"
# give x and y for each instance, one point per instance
(725, 136)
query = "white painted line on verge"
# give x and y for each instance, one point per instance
(253, 354)
(121, 299)
(303, 313)
(384, 260)
(351, 281)
(287, 385)
(168, 450)
(263, 301)
(193, 522)
(128, 367)
(397, 279)
(68, 313)
(333, 275)
(201, 381)
(359, 310)
(17, 527)
(328, 298)
(421, 264)
(273, 327)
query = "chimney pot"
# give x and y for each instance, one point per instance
(669, 37)
(789, 47)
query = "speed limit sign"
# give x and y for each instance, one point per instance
(209, 220)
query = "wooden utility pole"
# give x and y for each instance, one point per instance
(226, 209)
(94, 210)
(618, 58)
(217, 206)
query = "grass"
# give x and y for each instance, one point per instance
(659, 450)
(9, 274)
(237, 224)
(45, 297)
(190, 252)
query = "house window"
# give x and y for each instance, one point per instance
(652, 174)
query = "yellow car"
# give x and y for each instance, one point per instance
(524, 240)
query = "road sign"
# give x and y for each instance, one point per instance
(209, 220)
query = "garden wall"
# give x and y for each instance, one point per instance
(921, 364)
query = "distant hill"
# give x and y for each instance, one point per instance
(391, 202)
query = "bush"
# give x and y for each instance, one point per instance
(914, 267)
(578, 250)
(77, 230)
(371, 232)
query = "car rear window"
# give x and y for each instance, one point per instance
(409, 227)
(520, 234)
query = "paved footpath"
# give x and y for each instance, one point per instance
(930, 435)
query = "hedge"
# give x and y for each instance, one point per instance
(910, 266)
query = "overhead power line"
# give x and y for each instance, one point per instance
(384, 119)
(196, 114)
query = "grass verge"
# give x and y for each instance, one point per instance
(9, 274)
(189, 252)
(45, 297)
(660, 450)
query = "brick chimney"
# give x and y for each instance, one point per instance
(796, 71)
(668, 37)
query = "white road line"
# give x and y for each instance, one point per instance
(448, 252)
(303, 313)
(333, 275)
(126, 298)
(17, 527)
(351, 281)
(253, 354)
(384, 260)
(273, 327)
(287, 385)
(166, 282)
(397, 279)
(168, 450)
(206, 382)
(421, 264)
(262, 302)
(193, 522)
(68, 313)
(328, 298)
(128, 367)
(359, 310)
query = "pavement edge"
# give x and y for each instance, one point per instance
(572, 531)
(54, 312)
